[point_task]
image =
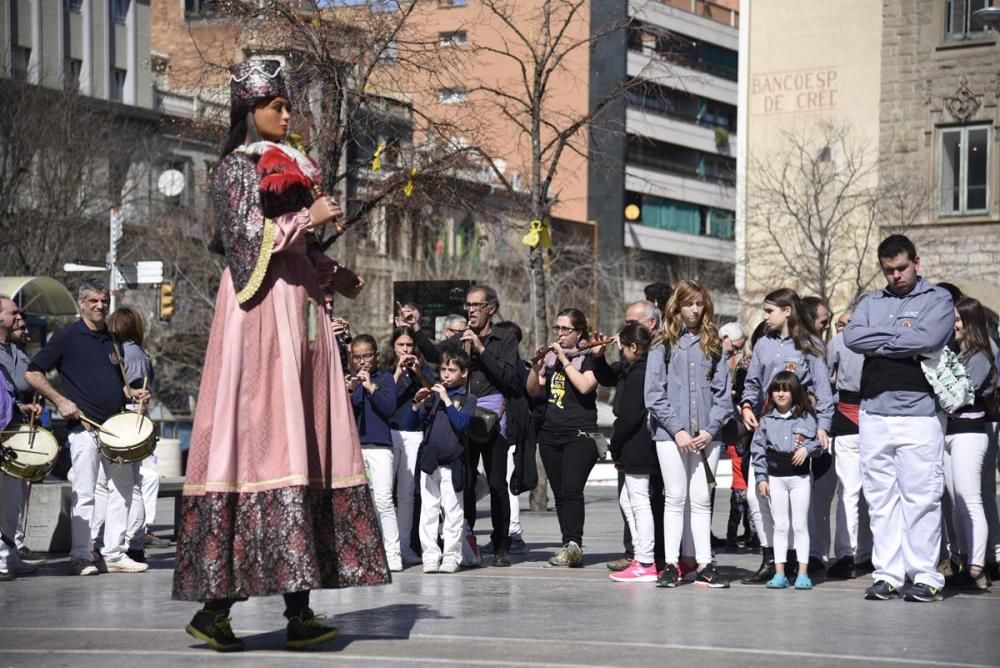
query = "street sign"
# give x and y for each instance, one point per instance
(141, 273)
(76, 266)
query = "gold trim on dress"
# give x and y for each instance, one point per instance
(260, 268)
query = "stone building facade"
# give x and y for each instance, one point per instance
(940, 127)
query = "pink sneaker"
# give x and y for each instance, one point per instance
(635, 573)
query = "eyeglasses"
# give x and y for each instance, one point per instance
(455, 331)
(364, 357)
(562, 330)
(479, 306)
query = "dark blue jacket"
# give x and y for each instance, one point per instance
(405, 418)
(444, 438)
(373, 411)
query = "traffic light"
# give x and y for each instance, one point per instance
(166, 301)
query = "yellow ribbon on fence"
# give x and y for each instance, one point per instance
(538, 233)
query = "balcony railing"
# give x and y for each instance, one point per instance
(705, 121)
(188, 106)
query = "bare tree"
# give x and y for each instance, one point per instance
(65, 160)
(539, 42)
(815, 209)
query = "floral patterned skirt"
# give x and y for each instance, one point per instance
(236, 545)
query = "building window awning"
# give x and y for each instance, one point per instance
(39, 295)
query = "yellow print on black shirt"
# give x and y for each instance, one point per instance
(557, 389)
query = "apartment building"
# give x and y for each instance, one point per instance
(98, 48)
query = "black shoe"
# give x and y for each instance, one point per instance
(137, 555)
(709, 577)
(501, 560)
(842, 569)
(881, 591)
(667, 578)
(30, 555)
(152, 540)
(7, 576)
(766, 570)
(864, 567)
(816, 566)
(921, 593)
(213, 629)
(307, 630)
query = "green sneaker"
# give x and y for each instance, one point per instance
(923, 593)
(307, 630)
(214, 629)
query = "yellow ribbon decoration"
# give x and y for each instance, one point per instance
(538, 233)
(377, 158)
(408, 188)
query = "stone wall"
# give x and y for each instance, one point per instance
(930, 82)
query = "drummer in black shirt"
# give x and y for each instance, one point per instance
(566, 376)
(493, 381)
(92, 385)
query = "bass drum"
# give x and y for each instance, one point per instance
(127, 438)
(28, 453)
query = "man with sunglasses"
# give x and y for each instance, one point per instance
(493, 381)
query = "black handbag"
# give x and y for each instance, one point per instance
(481, 428)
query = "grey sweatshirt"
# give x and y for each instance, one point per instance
(901, 326)
(776, 432)
(773, 354)
(686, 395)
(845, 363)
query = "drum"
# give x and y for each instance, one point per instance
(127, 437)
(28, 452)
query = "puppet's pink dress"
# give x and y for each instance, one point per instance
(275, 497)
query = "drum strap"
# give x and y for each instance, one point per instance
(120, 358)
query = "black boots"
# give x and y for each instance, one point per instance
(766, 570)
(501, 553)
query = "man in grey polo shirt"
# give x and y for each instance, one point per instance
(901, 427)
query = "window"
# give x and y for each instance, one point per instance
(964, 174)
(119, 10)
(71, 73)
(199, 9)
(388, 52)
(116, 85)
(453, 38)
(958, 23)
(20, 57)
(453, 96)
(452, 3)
(74, 6)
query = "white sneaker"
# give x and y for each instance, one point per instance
(448, 567)
(82, 567)
(432, 567)
(126, 565)
(395, 564)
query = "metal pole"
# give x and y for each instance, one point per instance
(114, 234)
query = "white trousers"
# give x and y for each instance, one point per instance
(821, 510)
(685, 486)
(963, 469)
(142, 515)
(638, 511)
(902, 472)
(380, 470)
(87, 462)
(854, 534)
(405, 445)
(760, 512)
(437, 494)
(790, 493)
(515, 503)
(13, 507)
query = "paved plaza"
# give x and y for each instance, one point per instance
(527, 615)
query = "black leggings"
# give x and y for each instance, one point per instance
(295, 603)
(568, 458)
(494, 455)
